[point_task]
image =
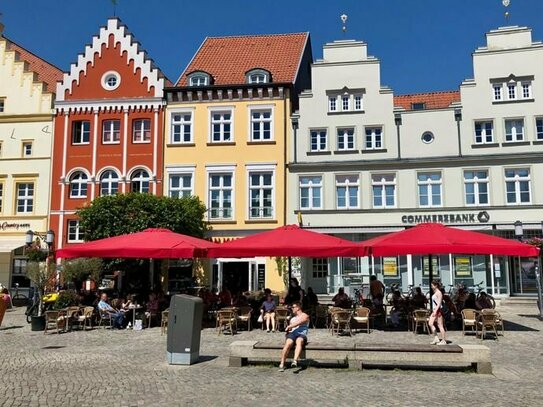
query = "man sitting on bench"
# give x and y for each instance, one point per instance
(296, 334)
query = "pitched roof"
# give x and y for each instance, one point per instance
(431, 100)
(47, 73)
(227, 59)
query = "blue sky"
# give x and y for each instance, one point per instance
(423, 45)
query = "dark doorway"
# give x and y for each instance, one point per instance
(235, 276)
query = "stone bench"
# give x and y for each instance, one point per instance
(359, 355)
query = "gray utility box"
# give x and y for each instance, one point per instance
(184, 329)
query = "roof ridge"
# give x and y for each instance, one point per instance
(257, 35)
(30, 52)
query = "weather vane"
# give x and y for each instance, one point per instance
(115, 2)
(344, 21)
(506, 4)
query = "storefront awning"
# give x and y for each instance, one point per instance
(7, 245)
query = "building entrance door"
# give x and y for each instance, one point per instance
(523, 276)
(235, 276)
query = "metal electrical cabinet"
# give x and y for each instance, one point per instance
(184, 329)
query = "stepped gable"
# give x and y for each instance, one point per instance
(114, 39)
(46, 73)
(228, 59)
(431, 100)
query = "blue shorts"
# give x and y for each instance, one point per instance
(296, 335)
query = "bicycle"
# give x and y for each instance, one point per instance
(478, 290)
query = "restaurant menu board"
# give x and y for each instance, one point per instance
(426, 267)
(462, 266)
(390, 266)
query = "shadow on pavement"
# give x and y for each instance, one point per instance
(11, 327)
(513, 326)
(206, 358)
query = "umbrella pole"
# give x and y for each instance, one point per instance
(430, 278)
(289, 269)
(152, 273)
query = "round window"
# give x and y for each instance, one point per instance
(111, 80)
(427, 137)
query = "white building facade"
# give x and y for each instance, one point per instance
(365, 162)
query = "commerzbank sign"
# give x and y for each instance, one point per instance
(447, 218)
(14, 226)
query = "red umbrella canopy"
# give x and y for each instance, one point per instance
(435, 238)
(148, 244)
(287, 241)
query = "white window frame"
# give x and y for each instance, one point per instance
(319, 267)
(27, 148)
(139, 132)
(2, 189)
(178, 127)
(343, 181)
(27, 198)
(2, 105)
(74, 235)
(380, 181)
(79, 185)
(261, 170)
(319, 140)
(484, 137)
(373, 141)
(258, 76)
(497, 92)
(261, 120)
(428, 184)
(180, 171)
(514, 134)
(332, 103)
(539, 128)
(198, 79)
(221, 122)
(84, 134)
(526, 90)
(221, 171)
(311, 187)
(512, 91)
(358, 102)
(346, 139)
(109, 182)
(477, 183)
(516, 180)
(138, 177)
(111, 131)
(346, 103)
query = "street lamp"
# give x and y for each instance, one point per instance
(49, 237)
(519, 230)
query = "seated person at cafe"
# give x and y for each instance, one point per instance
(225, 298)
(398, 308)
(419, 300)
(377, 291)
(268, 313)
(483, 302)
(341, 299)
(470, 302)
(117, 317)
(310, 299)
(152, 306)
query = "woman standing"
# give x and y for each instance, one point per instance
(437, 316)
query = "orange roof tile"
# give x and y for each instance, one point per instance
(431, 100)
(227, 59)
(47, 73)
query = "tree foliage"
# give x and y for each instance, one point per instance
(78, 270)
(120, 214)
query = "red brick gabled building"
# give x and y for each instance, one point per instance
(108, 128)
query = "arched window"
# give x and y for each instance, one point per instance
(78, 185)
(109, 183)
(258, 76)
(140, 181)
(199, 79)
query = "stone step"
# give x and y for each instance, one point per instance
(519, 301)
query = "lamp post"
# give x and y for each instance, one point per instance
(538, 281)
(519, 230)
(48, 237)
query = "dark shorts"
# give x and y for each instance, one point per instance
(296, 335)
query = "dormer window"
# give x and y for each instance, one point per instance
(257, 76)
(199, 79)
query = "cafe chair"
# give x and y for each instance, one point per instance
(362, 317)
(419, 317)
(55, 320)
(226, 321)
(245, 315)
(469, 319)
(164, 322)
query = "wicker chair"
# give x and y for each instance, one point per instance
(320, 314)
(419, 317)
(245, 314)
(282, 315)
(487, 319)
(164, 322)
(85, 318)
(105, 318)
(362, 317)
(71, 314)
(469, 319)
(226, 319)
(341, 320)
(55, 320)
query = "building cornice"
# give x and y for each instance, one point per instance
(108, 105)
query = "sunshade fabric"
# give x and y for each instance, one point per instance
(287, 241)
(435, 238)
(147, 244)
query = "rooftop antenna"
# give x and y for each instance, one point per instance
(115, 2)
(506, 4)
(344, 21)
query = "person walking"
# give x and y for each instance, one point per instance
(437, 315)
(296, 335)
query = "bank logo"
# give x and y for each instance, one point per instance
(483, 217)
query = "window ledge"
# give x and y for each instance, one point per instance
(537, 142)
(141, 142)
(374, 151)
(515, 143)
(346, 112)
(501, 102)
(485, 145)
(354, 151)
(254, 221)
(319, 153)
(80, 144)
(256, 143)
(222, 221)
(180, 145)
(221, 143)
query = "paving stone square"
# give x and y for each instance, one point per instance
(129, 368)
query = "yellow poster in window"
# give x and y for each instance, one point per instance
(426, 267)
(462, 266)
(390, 266)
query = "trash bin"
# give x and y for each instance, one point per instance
(184, 329)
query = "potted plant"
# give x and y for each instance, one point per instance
(41, 271)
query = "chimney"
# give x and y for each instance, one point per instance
(1, 29)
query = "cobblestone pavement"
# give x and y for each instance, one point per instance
(129, 368)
